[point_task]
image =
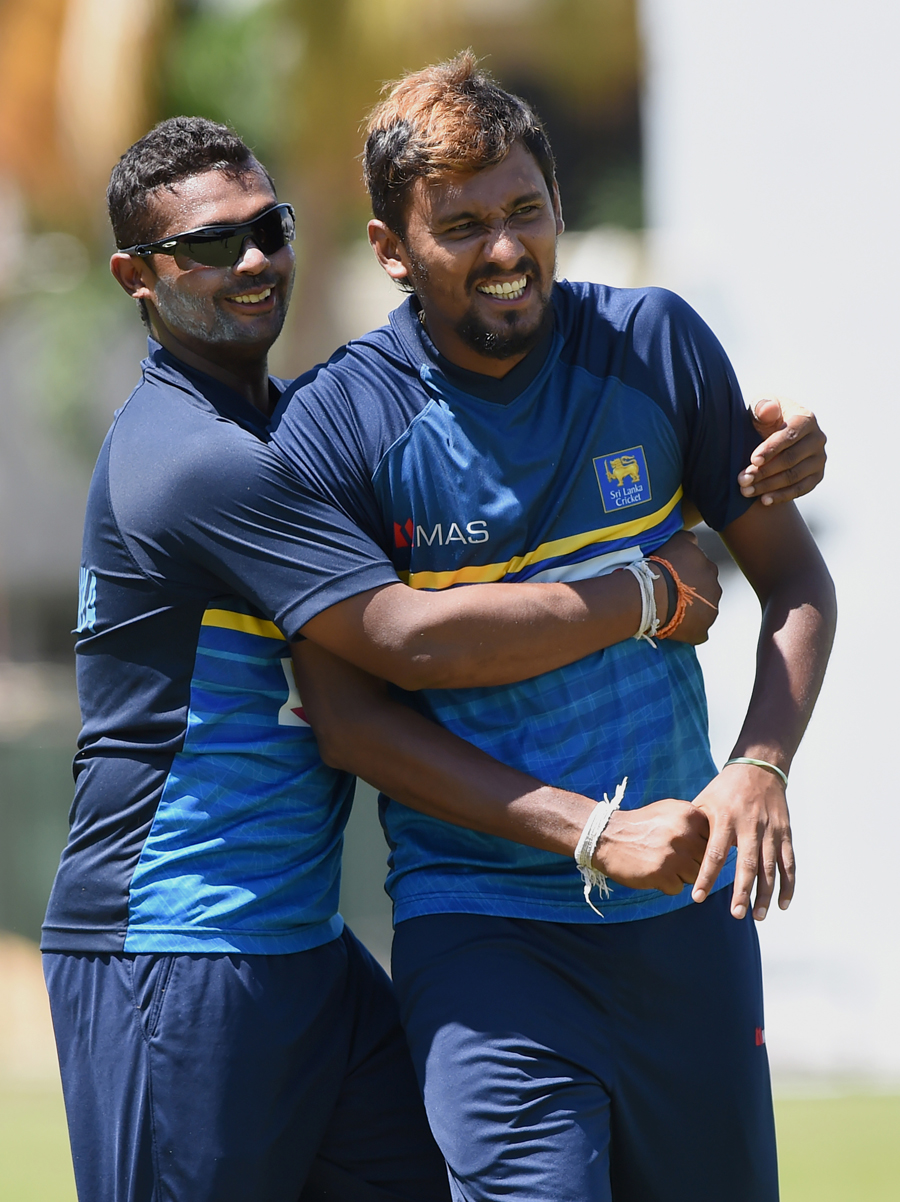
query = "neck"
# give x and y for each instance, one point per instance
(248, 377)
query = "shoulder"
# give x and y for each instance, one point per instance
(364, 371)
(637, 334)
(583, 305)
(352, 407)
(169, 458)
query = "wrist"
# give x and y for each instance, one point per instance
(606, 844)
(586, 851)
(767, 764)
(661, 592)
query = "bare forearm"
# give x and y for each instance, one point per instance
(494, 634)
(797, 631)
(479, 635)
(363, 730)
(746, 804)
(426, 768)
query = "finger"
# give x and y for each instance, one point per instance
(717, 849)
(796, 480)
(773, 456)
(785, 442)
(788, 872)
(791, 493)
(746, 870)
(767, 412)
(765, 878)
(690, 857)
(807, 450)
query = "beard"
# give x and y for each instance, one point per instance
(514, 339)
(203, 318)
(511, 334)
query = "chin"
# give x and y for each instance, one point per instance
(515, 334)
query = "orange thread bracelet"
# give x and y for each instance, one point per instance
(686, 596)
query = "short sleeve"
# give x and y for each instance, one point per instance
(230, 510)
(705, 402)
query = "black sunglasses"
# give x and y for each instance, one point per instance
(222, 245)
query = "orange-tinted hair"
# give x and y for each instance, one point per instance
(447, 117)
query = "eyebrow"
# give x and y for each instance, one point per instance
(467, 214)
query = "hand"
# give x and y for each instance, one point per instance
(659, 846)
(791, 460)
(684, 554)
(746, 807)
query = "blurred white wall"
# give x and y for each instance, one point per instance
(773, 190)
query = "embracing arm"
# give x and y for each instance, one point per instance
(361, 729)
(492, 634)
(745, 804)
(788, 463)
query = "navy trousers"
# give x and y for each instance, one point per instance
(231, 1078)
(589, 1063)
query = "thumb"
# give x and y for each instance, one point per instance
(768, 415)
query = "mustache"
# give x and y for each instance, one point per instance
(483, 275)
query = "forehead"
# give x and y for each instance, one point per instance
(210, 198)
(494, 187)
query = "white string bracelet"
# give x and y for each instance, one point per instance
(587, 845)
(744, 759)
(645, 576)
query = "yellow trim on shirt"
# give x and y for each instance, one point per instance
(245, 623)
(556, 548)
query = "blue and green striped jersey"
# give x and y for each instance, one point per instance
(204, 819)
(573, 464)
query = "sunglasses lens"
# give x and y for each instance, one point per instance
(273, 230)
(212, 252)
(270, 232)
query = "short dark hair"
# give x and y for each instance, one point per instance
(172, 151)
(448, 117)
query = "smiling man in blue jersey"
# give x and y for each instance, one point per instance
(571, 1044)
(222, 1036)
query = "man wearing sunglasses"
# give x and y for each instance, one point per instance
(221, 1034)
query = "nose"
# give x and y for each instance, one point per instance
(252, 260)
(502, 245)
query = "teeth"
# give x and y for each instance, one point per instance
(509, 291)
(252, 298)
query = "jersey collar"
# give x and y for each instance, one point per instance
(406, 324)
(168, 369)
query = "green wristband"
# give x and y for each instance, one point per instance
(743, 759)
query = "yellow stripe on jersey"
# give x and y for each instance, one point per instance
(491, 572)
(245, 623)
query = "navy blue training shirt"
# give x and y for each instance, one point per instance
(203, 819)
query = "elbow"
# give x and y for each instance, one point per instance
(336, 742)
(416, 668)
(412, 659)
(333, 752)
(413, 641)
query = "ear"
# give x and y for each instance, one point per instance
(557, 209)
(389, 251)
(135, 275)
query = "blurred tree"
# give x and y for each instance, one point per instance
(231, 60)
(75, 89)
